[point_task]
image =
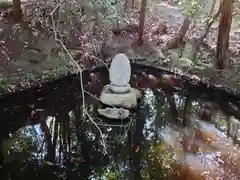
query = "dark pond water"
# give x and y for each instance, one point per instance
(46, 133)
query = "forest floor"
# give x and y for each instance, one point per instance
(28, 51)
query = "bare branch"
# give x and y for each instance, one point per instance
(75, 64)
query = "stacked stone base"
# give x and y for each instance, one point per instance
(124, 101)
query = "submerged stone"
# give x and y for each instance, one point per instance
(238, 135)
(127, 100)
(114, 113)
(119, 73)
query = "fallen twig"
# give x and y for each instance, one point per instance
(79, 71)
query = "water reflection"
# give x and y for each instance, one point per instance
(61, 142)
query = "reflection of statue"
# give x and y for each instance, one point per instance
(119, 92)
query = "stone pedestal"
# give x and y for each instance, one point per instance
(120, 89)
(127, 99)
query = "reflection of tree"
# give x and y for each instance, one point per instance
(65, 133)
(137, 142)
(82, 143)
(22, 141)
(158, 162)
(145, 163)
(16, 150)
(164, 103)
(73, 143)
(55, 135)
(155, 158)
(48, 140)
(1, 159)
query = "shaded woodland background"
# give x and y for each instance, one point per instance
(45, 38)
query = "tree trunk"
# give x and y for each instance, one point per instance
(199, 41)
(174, 42)
(141, 22)
(16, 10)
(48, 140)
(222, 55)
(130, 4)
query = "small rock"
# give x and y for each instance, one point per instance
(35, 56)
(234, 126)
(171, 80)
(195, 78)
(164, 39)
(187, 51)
(148, 81)
(238, 135)
(160, 54)
(174, 56)
(185, 62)
(114, 113)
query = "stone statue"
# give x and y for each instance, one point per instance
(119, 93)
(119, 74)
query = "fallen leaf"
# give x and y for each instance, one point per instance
(137, 149)
(49, 163)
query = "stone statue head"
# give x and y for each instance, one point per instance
(120, 70)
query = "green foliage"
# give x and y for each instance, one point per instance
(158, 164)
(111, 172)
(3, 83)
(19, 143)
(112, 7)
(192, 8)
(109, 10)
(29, 76)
